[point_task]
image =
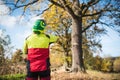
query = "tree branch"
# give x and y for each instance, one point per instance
(56, 3)
(59, 34)
(64, 6)
(99, 12)
(45, 10)
(67, 7)
(19, 6)
(8, 3)
(17, 2)
(30, 3)
(110, 26)
(85, 7)
(107, 25)
(94, 22)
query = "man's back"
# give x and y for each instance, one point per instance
(38, 41)
(38, 51)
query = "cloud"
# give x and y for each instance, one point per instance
(23, 35)
(8, 21)
(3, 9)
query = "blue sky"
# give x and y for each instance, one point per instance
(111, 44)
(19, 31)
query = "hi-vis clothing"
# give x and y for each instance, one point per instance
(36, 47)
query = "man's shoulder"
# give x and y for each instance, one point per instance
(46, 35)
(32, 35)
(28, 37)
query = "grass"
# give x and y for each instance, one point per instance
(91, 75)
(62, 75)
(104, 76)
(13, 77)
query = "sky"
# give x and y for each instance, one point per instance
(110, 44)
(18, 29)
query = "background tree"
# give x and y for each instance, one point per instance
(16, 58)
(59, 23)
(116, 65)
(99, 12)
(107, 65)
(56, 56)
(4, 46)
(5, 51)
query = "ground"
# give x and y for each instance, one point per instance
(91, 75)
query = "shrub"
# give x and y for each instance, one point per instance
(107, 65)
(13, 77)
(117, 65)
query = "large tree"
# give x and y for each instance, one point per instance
(59, 23)
(96, 11)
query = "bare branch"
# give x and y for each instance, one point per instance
(23, 12)
(67, 7)
(9, 3)
(55, 3)
(30, 3)
(45, 10)
(19, 6)
(99, 12)
(93, 2)
(59, 34)
(107, 25)
(17, 2)
(94, 22)
(85, 7)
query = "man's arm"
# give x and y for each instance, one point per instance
(25, 50)
(53, 38)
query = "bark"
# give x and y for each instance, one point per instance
(77, 54)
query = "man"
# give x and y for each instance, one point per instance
(36, 47)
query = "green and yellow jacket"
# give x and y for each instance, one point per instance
(36, 46)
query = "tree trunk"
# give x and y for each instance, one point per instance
(77, 55)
